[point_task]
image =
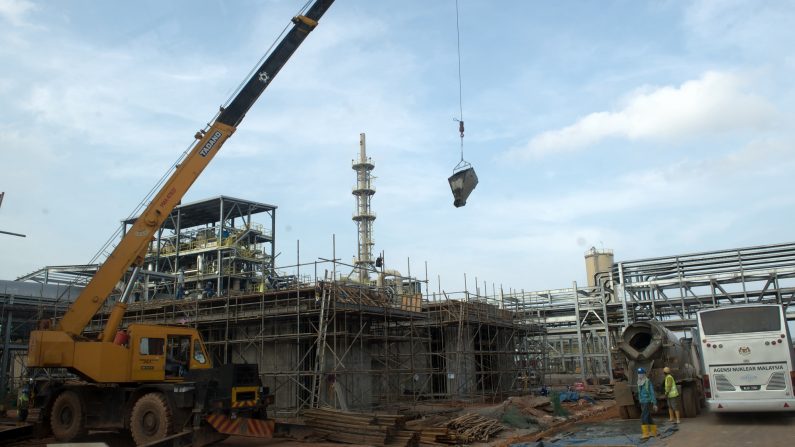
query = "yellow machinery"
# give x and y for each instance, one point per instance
(156, 380)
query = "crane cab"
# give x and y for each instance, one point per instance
(149, 353)
(164, 353)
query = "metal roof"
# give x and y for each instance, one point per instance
(208, 210)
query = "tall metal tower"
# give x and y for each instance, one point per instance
(364, 217)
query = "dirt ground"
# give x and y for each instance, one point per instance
(547, 425)
(706, 430)
(532, 419)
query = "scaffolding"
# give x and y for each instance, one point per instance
(326, 340)
(320, 338)
(580, 327)
(22, 306)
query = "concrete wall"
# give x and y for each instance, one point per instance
(461, 368)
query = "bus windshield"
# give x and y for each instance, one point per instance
(741, 320)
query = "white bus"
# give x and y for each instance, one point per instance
(748, 358)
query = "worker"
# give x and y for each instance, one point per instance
(648, 403)
(181, 284)
(177, 357)
(137, 289)
(209, 292)
(672, 395)
(23, 402)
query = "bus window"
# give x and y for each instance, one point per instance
(741, 320)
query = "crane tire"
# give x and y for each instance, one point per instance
(67, 418)
(151, 419)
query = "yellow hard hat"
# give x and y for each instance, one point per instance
(667, 370)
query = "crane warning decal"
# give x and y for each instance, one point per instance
(210, 144)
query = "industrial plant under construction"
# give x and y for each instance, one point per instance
(363, 338)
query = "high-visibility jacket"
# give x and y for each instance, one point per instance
(671, 390)
(22, 400)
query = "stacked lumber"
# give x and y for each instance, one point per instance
(360, 428)
(406, 438)
(428, 435)
(472, 427)
(461, 430)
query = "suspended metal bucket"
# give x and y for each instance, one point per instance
(462, 183)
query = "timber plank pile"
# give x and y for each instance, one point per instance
(360, 428)
(379, 429)
(429, 435)
(461, 430)
(472, 427)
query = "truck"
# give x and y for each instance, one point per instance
(650, 345)
(155, 381)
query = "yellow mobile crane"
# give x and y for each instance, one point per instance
(128, 379)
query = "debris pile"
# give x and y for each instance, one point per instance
(518, 417)
(603, 392)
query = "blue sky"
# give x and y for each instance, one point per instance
(652, 128)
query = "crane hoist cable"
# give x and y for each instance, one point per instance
(464, 180)
(462, 164)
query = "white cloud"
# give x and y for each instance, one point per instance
(683, 183)
(717, 102)
(15, 11)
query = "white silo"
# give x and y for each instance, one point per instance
(598, 262)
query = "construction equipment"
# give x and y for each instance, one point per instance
(462, 183)
(156, 381)
(650, 345)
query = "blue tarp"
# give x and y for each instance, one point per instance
(573, 396)
(618, 433)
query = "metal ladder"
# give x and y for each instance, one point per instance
(320, 348)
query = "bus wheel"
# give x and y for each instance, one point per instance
(67, 418)
(689, 402)
(151, 419)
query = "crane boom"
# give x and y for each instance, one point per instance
(131, 250)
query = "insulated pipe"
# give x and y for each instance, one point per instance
(394, 273)
(114, 321)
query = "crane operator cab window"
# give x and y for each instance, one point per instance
(177, 355)
(198, 352)
(151, 346)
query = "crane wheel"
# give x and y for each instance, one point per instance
(151, 419)
(67, 418)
